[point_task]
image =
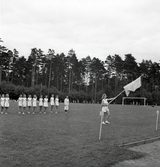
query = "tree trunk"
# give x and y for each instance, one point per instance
(33, 77)
(61, 83)
(95, 94)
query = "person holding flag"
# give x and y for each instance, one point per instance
(105, 113)
(105, 109)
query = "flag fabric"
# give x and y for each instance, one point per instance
(133, 86)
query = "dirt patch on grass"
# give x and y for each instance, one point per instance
(151, 159)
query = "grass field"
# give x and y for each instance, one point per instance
(71, 140)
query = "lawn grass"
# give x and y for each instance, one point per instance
(71, 140)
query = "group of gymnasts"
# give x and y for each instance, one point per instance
(29, 104)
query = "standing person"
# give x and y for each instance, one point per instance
(45, 104)
(66, 104)
(57, 103)
(34, 103)
(6, 103)
(105, 109)
(24, 103)
(20, 103)
(40, 103)
(52, 102)
(2, 103)
(29, 102)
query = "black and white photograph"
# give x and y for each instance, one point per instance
(79, 83)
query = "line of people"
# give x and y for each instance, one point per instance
(29, 104)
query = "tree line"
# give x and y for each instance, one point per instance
(83, 80)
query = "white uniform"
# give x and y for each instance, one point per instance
(105, 108)
(52, 101)
(40, 101)
(29, 101)
(6, 104)
(20, 101)
(24, 102)
(45, 102)
(2, 101)
(66, 104)
(57, 101)
(34, 101)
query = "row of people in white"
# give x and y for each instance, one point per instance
(29, 102)
(24, 101)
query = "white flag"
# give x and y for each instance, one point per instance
(132, 86)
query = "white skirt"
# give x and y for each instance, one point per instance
(34, 104)
(40, 103)
(2, 103)
(6, 104)
(24, 104)
(105, 109)
(20, 103)
(52, 103)
(66, 107)
(29, 103)
(45, 104)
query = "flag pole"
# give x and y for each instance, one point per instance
(157, 120)
(100, 131)
(116, 96)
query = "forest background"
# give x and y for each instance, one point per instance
(83, 80)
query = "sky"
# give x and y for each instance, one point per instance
(95, 28)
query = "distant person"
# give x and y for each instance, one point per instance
(57, 103)
(34, 103)
(29, 102)
(45, 104)
(20, 103)
(6, 103)
(105, 109)
(24, 103)
(66, 104)
(2, 103)
(40, 103)
(52, 102)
